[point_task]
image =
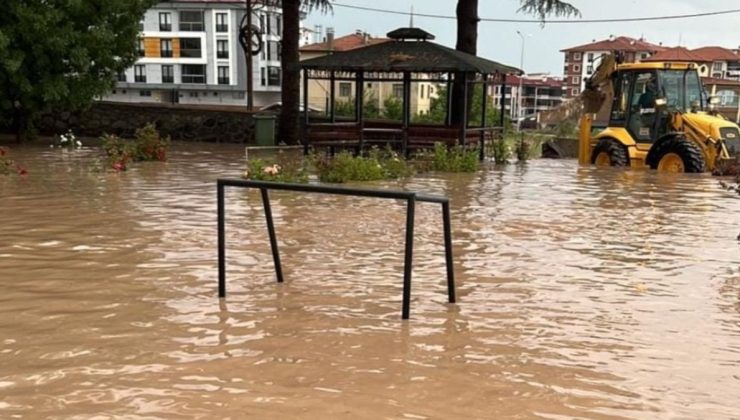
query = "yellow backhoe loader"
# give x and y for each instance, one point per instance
(657, 115)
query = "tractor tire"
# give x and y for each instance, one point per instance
(612, 150)
(678, 154)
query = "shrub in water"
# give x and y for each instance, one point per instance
(455, 159)
(378, 165)
(150, 145)
(118, 152)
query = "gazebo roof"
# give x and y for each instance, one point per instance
(402, 55)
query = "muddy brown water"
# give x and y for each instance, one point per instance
(583, 293)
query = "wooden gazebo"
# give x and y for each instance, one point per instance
(407, 57)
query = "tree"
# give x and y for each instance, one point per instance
(290, 95)
(467, 32)
(59, 54)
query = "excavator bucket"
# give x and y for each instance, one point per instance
(599, 87)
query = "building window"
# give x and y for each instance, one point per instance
(145, 93)
(191, 20)
(168, 74)
(190, 47)
(165, 47)
(121, 76)
(590, 69)
(273, 50)
(575, 91)
(193, 94)
(345, 89)
(222, 48)
(576, 80)
(263, 77)
(269, 26)
(644, 56)
(221, 22)
(577, 56)
(398, 90)
(577, 68)
(278, 25)
(223, 75)
(590, 57)
(165, 22)
(273, 76)
(193, 73)
(141, 25)
(140, 74)
(140, 50)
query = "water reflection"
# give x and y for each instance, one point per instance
(583, 293)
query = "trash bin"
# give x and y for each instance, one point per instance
(264, 129)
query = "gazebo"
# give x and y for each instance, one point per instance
(408, 57)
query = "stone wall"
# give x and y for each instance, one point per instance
(180, 122)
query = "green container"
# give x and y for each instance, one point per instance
(264, 129)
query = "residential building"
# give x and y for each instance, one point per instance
(319, 90)
(189, 53)
(581, 61)
(539, 92)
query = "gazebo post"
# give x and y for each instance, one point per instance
(448, 115)
(482, 141)
(406, 111)
(332, 108)
(359, 107)
(464, 124)
(305, 112)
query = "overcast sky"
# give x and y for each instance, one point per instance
(500, 42)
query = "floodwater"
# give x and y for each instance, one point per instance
(583, 293)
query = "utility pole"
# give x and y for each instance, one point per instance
(250, 64)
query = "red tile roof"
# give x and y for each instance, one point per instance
(621, 43)
(345, 43)
(716, 54)
(680, 54)
(513, 80)
(708, 81)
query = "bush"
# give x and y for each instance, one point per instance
(117, 151)
(8, 165)
(500, 150)
(149, 144)
(378, 165)
(456, 159)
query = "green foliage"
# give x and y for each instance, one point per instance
(501, 150)
(455, 159)
(150, 145)
(117, 151)
(346, 108)
(393, 108)
(147, 145)
(378, 165)
(59, 55)
(438, 106)
(544, 8)
(282, 169)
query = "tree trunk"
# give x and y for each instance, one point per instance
(467, 41)
(289, 128)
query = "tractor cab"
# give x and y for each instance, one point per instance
(646, 99)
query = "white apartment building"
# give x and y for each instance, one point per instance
(189, 53)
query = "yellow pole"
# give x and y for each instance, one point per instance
(584, 140)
